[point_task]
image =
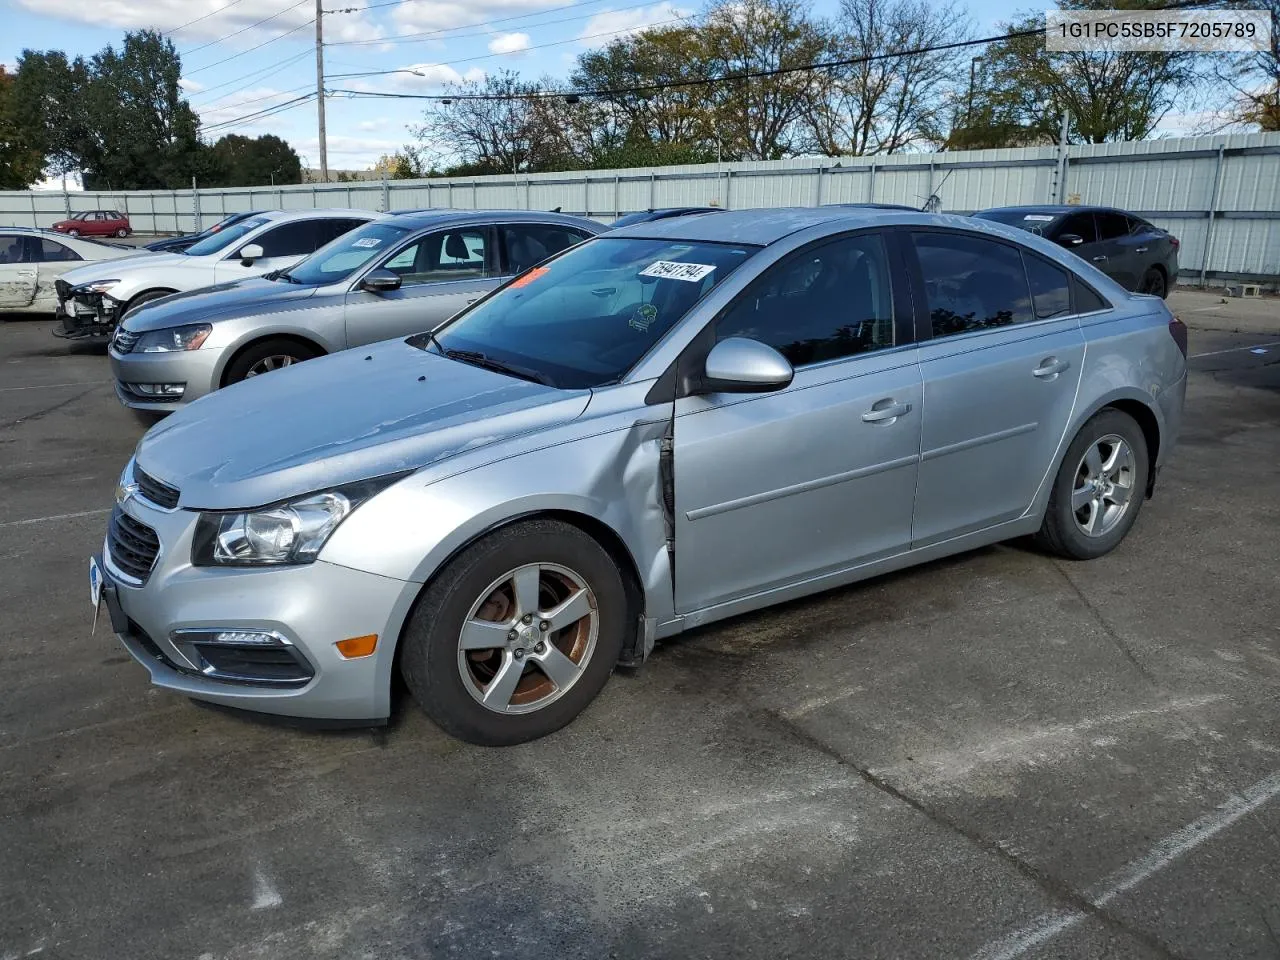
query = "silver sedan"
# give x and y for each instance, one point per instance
(661, 427)
(392, 277)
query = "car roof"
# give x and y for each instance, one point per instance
(1056, 209)
(285, 215)
(442, 217)
(768, 225)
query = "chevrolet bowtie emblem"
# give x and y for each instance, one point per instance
(124, 491)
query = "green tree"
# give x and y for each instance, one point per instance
(1021, 89)
(1252, 80)
(255, 161)
(21, 161)
(51, 109)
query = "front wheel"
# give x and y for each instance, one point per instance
(517, 634)
(1099, 488)
(73, 233)
(265, 357)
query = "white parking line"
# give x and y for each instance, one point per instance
(1050, 924)
(1252, 346)
(56, 516)
(50, 386)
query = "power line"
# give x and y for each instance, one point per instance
(530, 26)
(258, 46)
(198, 19)
(258, 23)
(697, 81)
(256, 75)
(263, 113)
(490, 56)
(418, 37)
(215, 105)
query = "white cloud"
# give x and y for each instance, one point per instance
(509, 43)
(191, 86)
(421, 16)
(620, 23)
(219, 19)
(433, 77)
(373, 126)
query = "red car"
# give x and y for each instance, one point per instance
(96, 223)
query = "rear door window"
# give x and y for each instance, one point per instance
(971, 283)
(292, 239)
(1111, 225)
(50, 251)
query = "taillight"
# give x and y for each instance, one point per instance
(1175, 241)
(1178, 330)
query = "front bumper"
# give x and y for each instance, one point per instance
(312, 607)
(83, 316)
(196, 370)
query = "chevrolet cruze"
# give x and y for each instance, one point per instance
(658, 428)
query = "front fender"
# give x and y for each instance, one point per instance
(410, 530)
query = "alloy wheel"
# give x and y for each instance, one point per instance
(267, 364)
(528, 638)
(1103, 486)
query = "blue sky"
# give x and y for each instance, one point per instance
(443, 40)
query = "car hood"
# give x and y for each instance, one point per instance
(354, 415)
(116, 269)
(237, 298)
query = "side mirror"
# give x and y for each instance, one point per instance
(249, 253)
(381, 280)
(1070, 239)
(739, 365)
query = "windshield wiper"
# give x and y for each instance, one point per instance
(281, 275)
(476, 358)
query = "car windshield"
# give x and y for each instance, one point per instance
(585, 318)
(225, 238)
(1029, 220)
(342, 257)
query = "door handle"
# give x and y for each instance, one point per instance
(886, 411)
(1099, 258)
(1049, 368)
(1140, 250)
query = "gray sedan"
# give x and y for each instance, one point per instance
(664, 426)
(393, 277)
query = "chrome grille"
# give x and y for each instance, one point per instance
(157, 491)
(124, 340)
(133, 546)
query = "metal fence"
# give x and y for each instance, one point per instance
(1220, 195)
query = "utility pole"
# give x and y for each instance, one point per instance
(324, 147)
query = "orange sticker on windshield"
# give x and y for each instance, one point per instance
(525, 279)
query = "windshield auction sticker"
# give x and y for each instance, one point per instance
(671, 270)
(1168, 30)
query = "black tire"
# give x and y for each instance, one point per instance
(1061, 532)
(122, 233)
(263, 351)
(73, 233)
(145, 297)
(1154, 283)
(429, 655)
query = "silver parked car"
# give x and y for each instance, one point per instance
(391, 277)
(661, 427)
(92, 299)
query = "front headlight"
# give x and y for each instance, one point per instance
(173, 339)
(292, 532)
(98, 286)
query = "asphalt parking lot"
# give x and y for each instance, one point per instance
(997, 755)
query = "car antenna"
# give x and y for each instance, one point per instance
(554, 210)
(934, 202)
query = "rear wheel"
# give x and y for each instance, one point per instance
(266, 356)
(122, 233)
(1154, 283)
(517, 634)
(1099, 488)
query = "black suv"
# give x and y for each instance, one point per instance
(1136, 254)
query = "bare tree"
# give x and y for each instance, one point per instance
(494, 126)
(1252, 80)
(889, 103)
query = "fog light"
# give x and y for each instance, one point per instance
(159, 389)
(261, 657)
(354, 647)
